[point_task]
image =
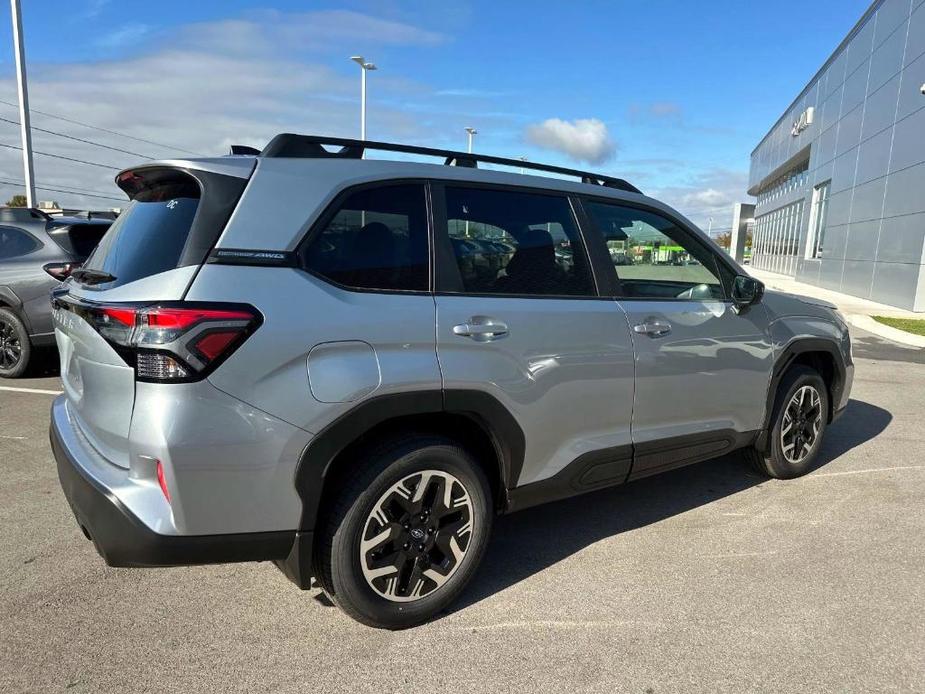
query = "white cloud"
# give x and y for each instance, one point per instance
(584, 139)
(710, 193)
(204, 86)
(125, 35)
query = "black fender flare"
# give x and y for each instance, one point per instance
(8, 298)
(783, 362)
(482, 408)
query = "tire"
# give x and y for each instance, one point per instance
(15, 348)
(796, 434)
(424, 562)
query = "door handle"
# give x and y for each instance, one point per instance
(481, 329)
(652, 328)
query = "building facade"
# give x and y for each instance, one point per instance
(840, 178)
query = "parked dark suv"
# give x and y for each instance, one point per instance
(36, 253)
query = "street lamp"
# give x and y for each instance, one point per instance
(364, 68)
(522, 157)
(710, 227)
(471, 132)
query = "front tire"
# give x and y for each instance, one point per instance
(15, 348)
(407, 533)
(799, 420)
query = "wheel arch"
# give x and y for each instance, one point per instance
(821, 354)
(475, 418)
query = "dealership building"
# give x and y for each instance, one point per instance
(840, 178)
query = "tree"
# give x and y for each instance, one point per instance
(725, 239)
(16, 201)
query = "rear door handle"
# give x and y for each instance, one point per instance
(481, 329)
(652, 328)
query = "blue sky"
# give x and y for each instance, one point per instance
(672, 95)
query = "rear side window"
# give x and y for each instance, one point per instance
(78, 239)
(508, 242)
(376, 239)
(16, 242)
(149, 236)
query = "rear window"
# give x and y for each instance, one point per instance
(78, 239)
(16, 242)
(149, 236)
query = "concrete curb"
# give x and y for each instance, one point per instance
(893, 334)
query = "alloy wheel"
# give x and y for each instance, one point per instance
(416, 535)
(802, 422)
(10, 347)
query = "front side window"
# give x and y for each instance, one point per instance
(818, 219)
(653, 257)
(508, 242)
(16, 242)
(377, 239)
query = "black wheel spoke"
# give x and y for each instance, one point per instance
(416, 535)
(800, 424)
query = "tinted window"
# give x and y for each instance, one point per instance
(148, 237)
(16, 242)
(654, 258)
(78, 239)
(377, 239)
(516, 243)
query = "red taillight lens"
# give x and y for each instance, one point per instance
(180, 318)
(162, 481)
(125, 316)
(170, 343)
(212, 345)
(60, 271)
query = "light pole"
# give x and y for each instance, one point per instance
(710, 227)
(471, 132)
(522, 157)
(26, 130)
(364, 68)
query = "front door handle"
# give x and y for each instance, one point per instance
(481, 329)
(653, 328)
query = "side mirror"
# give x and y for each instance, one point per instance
(746, 291)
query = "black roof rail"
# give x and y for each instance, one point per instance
(313, 147)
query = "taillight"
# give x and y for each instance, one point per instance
(171, 342)
(60, 271)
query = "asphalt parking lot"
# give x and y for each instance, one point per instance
(709, 578)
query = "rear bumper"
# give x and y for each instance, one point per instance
(124, 540)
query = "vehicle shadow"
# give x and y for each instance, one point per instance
(530, 541)
(45, 363)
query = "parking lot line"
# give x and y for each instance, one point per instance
(40, 391)
(861, 472)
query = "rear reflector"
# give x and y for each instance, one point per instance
(162, 481)
(174, 342)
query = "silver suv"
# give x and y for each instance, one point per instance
(348, 366)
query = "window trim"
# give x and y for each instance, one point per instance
(448, 280)
(812, 250)
(333, 207)
(39, 245)
(725, 270)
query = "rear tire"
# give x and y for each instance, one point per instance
(407, 533)
(798, 424)
(15, 347)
